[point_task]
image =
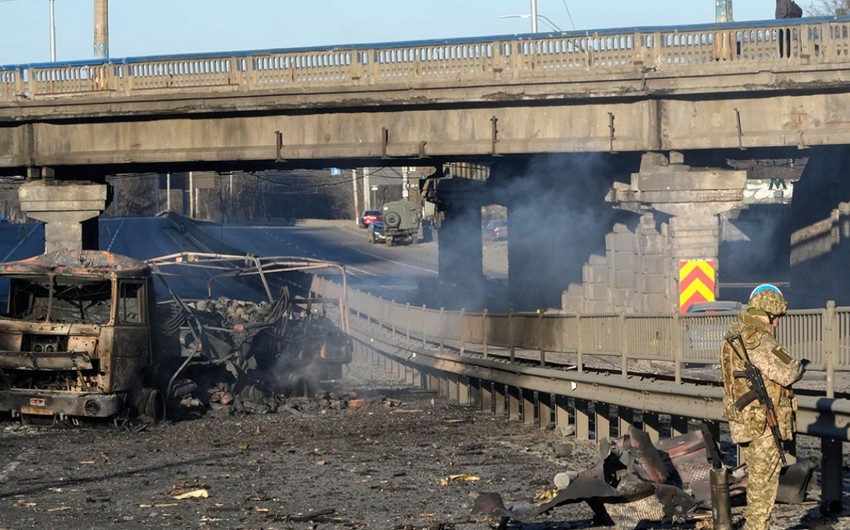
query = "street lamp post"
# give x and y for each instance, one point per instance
(52, 33)
(723, 11)
(548, 23)
(534, 16)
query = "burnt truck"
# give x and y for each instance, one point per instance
(401, 222)
(87, 335)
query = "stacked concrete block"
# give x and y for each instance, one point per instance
(572, 300)
(621, 254)
(595, 274)
(653, 283)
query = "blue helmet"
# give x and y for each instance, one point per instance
(767, 299)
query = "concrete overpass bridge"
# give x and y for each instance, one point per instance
(640, 105)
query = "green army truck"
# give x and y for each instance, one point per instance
(401, 222)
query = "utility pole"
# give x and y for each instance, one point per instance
(52, 33)
(356, 194)
(367, 194)
(101, 29)
(723, 9)
(534, 16)
(405, 172)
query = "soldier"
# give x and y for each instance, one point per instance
(786, 9)
(746, 415)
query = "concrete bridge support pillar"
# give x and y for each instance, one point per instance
(64, 209)
(461, 256)
(694, 198)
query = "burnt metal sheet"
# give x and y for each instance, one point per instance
(24, 360)
(85, 263)
(637, 481)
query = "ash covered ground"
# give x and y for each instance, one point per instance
(395, 458)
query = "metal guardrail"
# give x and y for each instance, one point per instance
(820, 335)
(594, 406)
(490, 60)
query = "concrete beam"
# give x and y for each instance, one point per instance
(556, 127)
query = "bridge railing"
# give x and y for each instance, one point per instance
(820, 335)
(567, 55)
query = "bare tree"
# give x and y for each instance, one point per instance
(829, 7)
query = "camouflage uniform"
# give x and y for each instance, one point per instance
(749, 425)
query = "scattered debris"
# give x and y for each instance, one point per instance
(458, 478)
(194, 494)
(318, 515)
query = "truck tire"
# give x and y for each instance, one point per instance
(392, 219)
(150, 404)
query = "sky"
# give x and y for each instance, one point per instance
(163, 27)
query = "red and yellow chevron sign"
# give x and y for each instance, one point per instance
(696, 282)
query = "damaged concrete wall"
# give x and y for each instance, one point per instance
(634, 276)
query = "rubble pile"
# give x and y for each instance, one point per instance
(259, 399)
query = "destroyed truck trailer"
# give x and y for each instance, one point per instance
(278, 338)
(84, 337)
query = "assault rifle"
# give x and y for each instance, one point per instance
(757, 392)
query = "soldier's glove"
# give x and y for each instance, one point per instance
(802, 369)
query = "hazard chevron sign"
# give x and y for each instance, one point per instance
(697, 280)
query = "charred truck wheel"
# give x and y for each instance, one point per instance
(150, 404)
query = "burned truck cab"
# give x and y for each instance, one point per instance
(75, 336)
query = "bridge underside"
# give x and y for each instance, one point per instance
(411, 133)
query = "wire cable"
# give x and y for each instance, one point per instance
(569, 15)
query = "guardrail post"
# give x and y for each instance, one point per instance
(545, 407)
(540, 337)
(407, 313)
(462, 330)
(462, 389)
(832, 472)
(515, 403)
(511, 335)
(579, 352)
(485, 329)
(624, 345)
(529, 416)
(562, 412)
(424, 326)
(678, 340)
(442, 328)
(582, 411)
(678, 425)
(410, 374)
(652, 425)
(473, 398)
(486, 396)
(625, 420)
(499, 401)
(831, 340)
(602, 420)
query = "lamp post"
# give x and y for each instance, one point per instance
(548, 23)
(534, 16)
(52, 33)
(723, 10)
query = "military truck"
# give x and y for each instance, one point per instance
(401, 222)
(85, 336)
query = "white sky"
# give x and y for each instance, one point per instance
(159, 27)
